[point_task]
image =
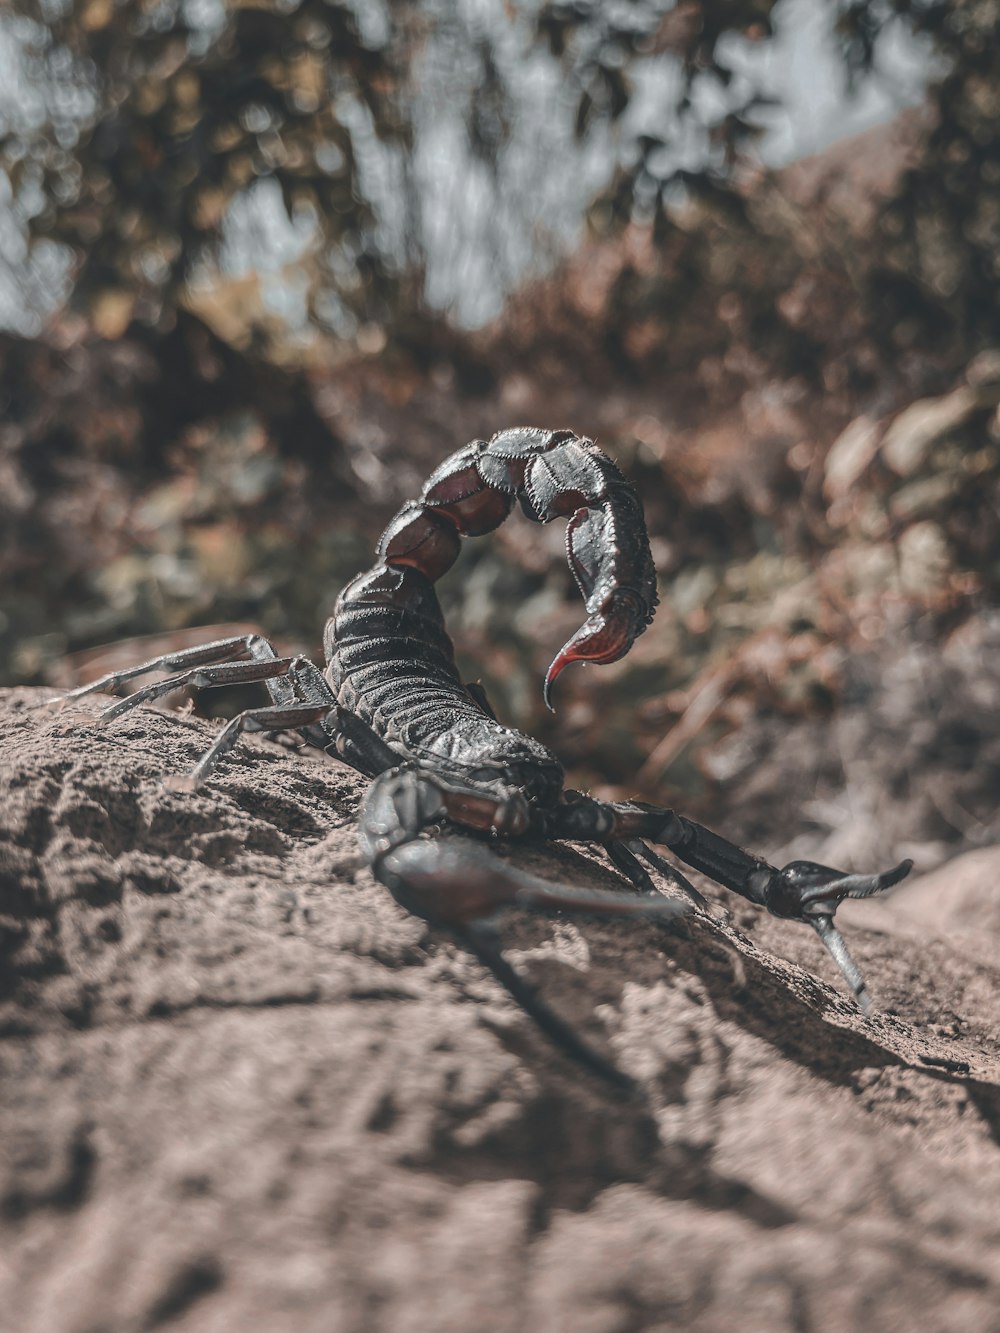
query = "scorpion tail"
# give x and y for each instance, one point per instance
(608, 553)
(554, 474)
(604, 637)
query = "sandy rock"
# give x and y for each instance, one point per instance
(964, 894)
(242, 1089)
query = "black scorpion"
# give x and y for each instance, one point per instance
(392, 705)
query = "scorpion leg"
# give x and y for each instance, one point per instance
(301, 701)
(252, 646)
(624, 856)
(481, 940)
(459, 885)
(800, 891)
(202, 677)
(315, 713)
(287, 717)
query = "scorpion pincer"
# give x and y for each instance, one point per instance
(392, 705)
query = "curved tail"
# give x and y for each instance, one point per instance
(552, 474)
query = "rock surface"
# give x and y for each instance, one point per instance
(242, 1089)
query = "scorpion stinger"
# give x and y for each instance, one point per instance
(609, 555)
(392, 705)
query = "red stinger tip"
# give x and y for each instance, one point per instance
(604, 637)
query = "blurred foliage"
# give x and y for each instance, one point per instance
(604, 45)
(930, 284)
(140, 490)
(935, 282)
(169, 458)
(159, 113)
(155, 116)
(156, 122)
(803, 289)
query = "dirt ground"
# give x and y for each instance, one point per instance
(242, 1089)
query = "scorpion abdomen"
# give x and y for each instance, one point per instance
(391, 662)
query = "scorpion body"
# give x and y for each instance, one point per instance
(392, 704)
(389, 657)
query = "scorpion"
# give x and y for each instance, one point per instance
(393, 706)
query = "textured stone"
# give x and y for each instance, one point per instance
(242, 1089)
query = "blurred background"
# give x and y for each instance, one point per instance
(263, 265)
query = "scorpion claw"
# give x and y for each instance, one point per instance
(857, 886)
(806, 891)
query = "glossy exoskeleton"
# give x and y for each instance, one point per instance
(391, 704)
